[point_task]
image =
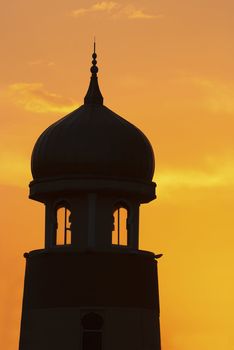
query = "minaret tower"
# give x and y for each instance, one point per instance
(91, 288)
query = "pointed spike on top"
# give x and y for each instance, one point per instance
(94, 95)
(94, 45)
(94, 68)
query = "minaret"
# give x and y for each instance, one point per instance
(91, 288)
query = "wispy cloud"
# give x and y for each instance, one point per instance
(139, 14)
(115, 10)
(218, 96)
(34, 98)
(209, 177)
(190, 178)
(104, 6)
(41, 62)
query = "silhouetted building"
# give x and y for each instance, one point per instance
(91, 288)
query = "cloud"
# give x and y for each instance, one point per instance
(116, 10)
(35, 63)
(34, 98)
(139, 14)
(218, 97)
(189, 178)
(104, 6)
(210, 176)
(41, 62)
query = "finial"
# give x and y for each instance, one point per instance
(93, 95)
(94, 45)
(94, 68)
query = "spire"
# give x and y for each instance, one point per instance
(94, 95)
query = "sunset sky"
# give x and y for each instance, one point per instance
(167, 67)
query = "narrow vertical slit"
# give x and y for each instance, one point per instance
(118, 226)
(65, 226)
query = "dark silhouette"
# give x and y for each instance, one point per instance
(97, 290)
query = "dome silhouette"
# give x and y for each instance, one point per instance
(93, 142)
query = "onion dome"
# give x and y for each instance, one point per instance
(93, 142)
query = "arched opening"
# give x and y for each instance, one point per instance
(92, 324)
(63, 232)
(120, 226)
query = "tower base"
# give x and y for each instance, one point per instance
(62, 288)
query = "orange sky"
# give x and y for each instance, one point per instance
(166, 66)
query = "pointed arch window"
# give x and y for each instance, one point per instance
(120, 226)
(63, 232)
